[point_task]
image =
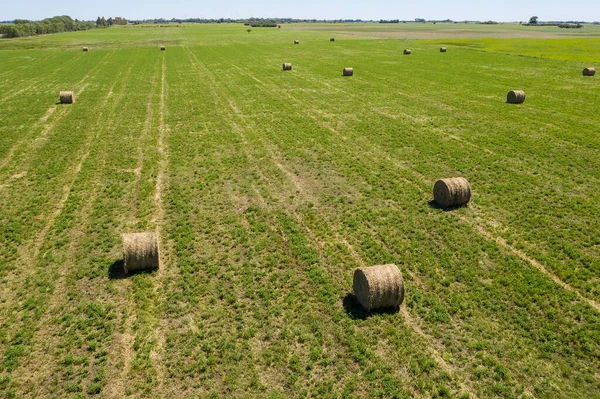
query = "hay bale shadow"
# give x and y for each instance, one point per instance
(435, 205)
(355, 310)
(116, 271)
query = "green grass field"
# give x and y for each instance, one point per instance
(268, 188)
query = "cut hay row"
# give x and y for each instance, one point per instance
(375, 287)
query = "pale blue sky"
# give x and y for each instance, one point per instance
(508, 10)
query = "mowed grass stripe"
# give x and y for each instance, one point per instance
(17, 122)
(25, 62)
(523, 163)
(217, 137)
(143, 297)
(92, 307)
(32, 79)
(298, 139)
(34, 375)
(35, 180)
(45, 266)
(37, 132)
(281, 191)
(122, 347)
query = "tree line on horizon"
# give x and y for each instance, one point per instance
(57, 24)
(102, 22)
(64, 23)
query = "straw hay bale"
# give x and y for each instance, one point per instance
(407, 51)
(515, 97)
(67, 97)
(589, 71)
(379, 286)
(140, 251)
(85, 49)
(287, 66)
(348, 72)
(296, 41)
(443, 49)
(454, 191)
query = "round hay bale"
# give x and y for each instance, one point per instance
(85, 49)
(332, 39)
(67, 97)
(140, 251)
(443, 49)
(296, 41)
(454, 191)
(163, 48)
(379, 286)
(407, 51)
(515, 97)
(589, 71)
(287, 66)
(348, 72)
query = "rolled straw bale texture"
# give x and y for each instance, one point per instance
(296, 41)
(287, 66)
(85, 49)
(407, 51)
(162, 48)
(140, 251)
(332, 39)
(454, 191)
(589, 72)
(348, 72)
(67, 97)
(379, 286)
(443, 49)
(515, 97)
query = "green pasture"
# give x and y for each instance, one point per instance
(268, 188)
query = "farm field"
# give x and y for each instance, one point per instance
(268, 188)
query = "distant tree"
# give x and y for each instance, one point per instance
(98, 22)
(533, 20)
(109, 21)
(102, 21)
